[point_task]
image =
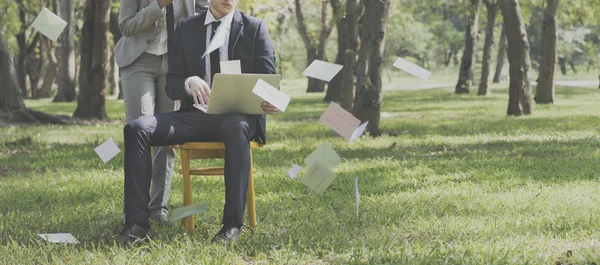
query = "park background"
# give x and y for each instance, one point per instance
(445, 176)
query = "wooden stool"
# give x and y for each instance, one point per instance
(209, 150)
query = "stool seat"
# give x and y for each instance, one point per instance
(210, 150)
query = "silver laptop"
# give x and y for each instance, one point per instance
(232, 93)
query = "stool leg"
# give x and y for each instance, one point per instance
(250, 196)
(188, 222)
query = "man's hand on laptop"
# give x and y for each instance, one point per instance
(198, 89)
(269, 109)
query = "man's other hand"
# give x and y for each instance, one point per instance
(269, 109)
(198, 89)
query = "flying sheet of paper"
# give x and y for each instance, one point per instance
(322, 70)
(293, 172)
(107, 150)
(271, 94)
(339, 120)
(186, 211)
(325, 155)
(66, 238)
(318, 178)
(359, 131)
(412, 68)
(219, 39)
(357, 195)
(231, 67)
(49, 24)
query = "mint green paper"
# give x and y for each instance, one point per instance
(325, 155)
(186, 211)
(318, 178)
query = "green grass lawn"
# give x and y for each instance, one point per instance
(454, 181)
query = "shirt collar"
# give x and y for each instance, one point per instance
(210, 18)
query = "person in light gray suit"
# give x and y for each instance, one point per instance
(143, 64)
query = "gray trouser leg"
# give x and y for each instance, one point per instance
(180, 127)
(144, 92)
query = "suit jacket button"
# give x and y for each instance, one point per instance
(148, 41)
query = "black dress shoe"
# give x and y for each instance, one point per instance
(132, 232)
(228, 234)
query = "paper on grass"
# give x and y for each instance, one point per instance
(322, 70)
(324, 155)
(412, 68)
(186, 211)
(219, 39)
(342, 122)
(357, 195)
(231, 67)
(318, 178)
(107, 150)
(293, 172)
(66, 238)
(271, 94)
(49, 24)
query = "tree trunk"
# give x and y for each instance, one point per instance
(544, 93)
(492, 11)
(51, 69)
(95, 61)
(501, 57)
(35, 61)
(562, 61)
(21, 64)
(369, 96)
(66, 83)
(334, 88)
(519, 96)
(466, 65)
(353, 10)
(12, 107)
(313, 52)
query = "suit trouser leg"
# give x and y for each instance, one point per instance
(180, 127)
(144, 94)
(236, 131)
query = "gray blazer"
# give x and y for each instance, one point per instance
(137, 24)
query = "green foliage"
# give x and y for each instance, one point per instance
(461, 183)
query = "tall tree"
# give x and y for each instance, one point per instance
(519, 95)
(369, 96)
(353, 10)
(12, 107)
(95, 61)
(66, 81)
(334, 88)
(21, 63)
(50, 70)
(501, 56)
(492, 11)
(315, 49)
(544, 93)
(465, 76)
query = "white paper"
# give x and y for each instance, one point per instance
(66, 238)
(318, 178)
(107, 150)
(357, 195)
(203, 108)
(412, 69)
(231, 67)
(324, 155)
(359, 131)
(186, 211)
(293, 172)
(49, 24)
(271, 94)
(339, 120)
(322, 70)
(218, 40)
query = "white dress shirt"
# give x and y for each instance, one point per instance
(158, 46)
(223, 50)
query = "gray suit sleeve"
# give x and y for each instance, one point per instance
(132, 20)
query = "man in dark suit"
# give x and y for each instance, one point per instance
(188, 79)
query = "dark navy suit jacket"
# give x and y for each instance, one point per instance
(249, 42)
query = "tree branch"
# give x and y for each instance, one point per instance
(301, 25)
